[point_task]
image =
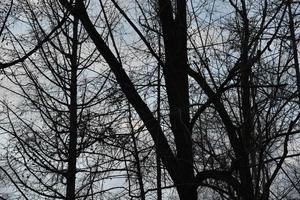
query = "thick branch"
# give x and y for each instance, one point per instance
(129, 90)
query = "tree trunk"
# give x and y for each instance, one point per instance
(187, 192)
(72, 151)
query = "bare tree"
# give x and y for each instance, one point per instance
(231, 67)
(55, 133)
(213, 88)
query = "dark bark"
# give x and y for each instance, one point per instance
(158, 162)
(294, 46)
(246, 131)
(176, 77)
(72, 149)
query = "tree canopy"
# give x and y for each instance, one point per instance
(150, 99)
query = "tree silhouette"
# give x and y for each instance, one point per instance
(208, 88)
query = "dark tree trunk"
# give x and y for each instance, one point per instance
(72, 151)
(187, 192)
